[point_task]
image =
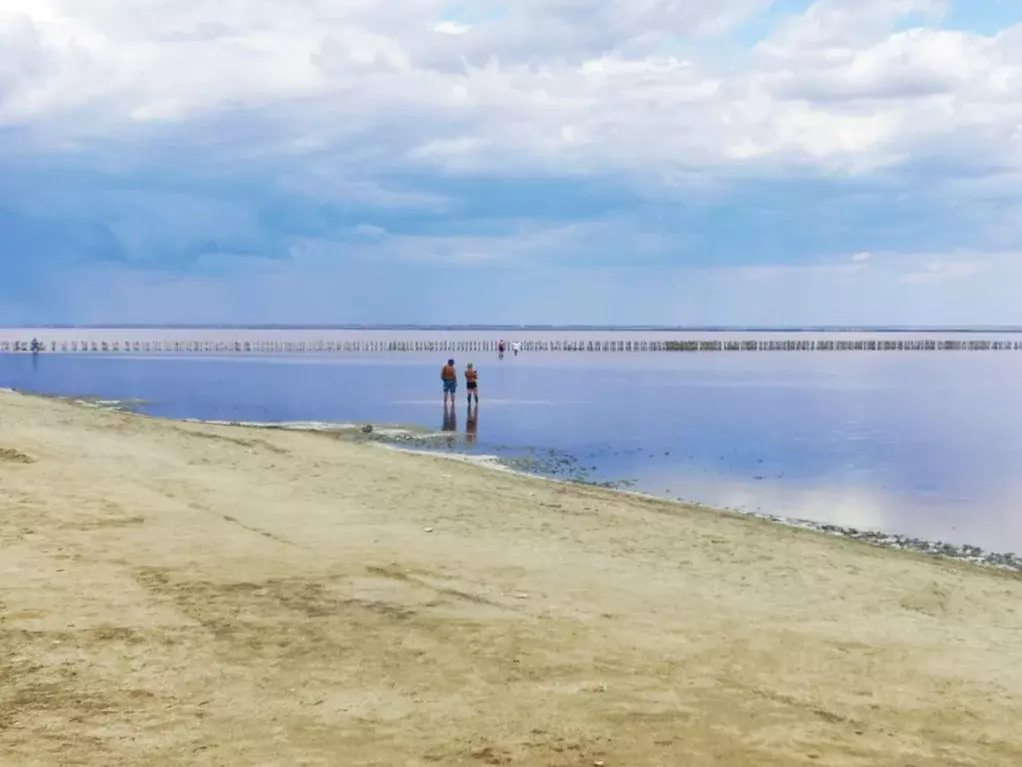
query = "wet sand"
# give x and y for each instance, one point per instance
(180, 593)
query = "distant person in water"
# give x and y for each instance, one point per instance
(450, 378)
(472, 383)
(516, 347)
(500, 349)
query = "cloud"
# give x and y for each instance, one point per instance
(830, 26)
(941, 271)
(335, 186)
(321, 283)
(451, 28)
(198, 139)
(602, 74)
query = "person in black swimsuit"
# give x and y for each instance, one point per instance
(472, 382)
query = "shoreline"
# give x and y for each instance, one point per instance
(400, 436)
(877, 538)
(175, 592)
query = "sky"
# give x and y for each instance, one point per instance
(675, 162)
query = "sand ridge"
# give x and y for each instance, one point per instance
(181, 593)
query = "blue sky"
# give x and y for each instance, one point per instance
(564, 161)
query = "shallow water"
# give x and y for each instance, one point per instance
(924, 444)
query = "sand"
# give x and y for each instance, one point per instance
(187, 594)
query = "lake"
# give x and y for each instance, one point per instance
(918, 443)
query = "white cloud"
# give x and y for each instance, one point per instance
(944, 271)
(861, 258)
(452, 28)
(830, 26)
(570, 86)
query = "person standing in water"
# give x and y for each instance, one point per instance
(472, 383)
(500, 349)
(516, 347)
(450, 378)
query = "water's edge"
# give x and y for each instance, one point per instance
(421, 440)
(964, 553)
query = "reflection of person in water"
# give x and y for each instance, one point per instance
(471, 423)
(450, 421)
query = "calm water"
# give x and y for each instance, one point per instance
(925, 444)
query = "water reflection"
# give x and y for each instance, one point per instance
(450, 422)
(991, 522)
(471, 424)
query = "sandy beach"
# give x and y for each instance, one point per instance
(189, 594)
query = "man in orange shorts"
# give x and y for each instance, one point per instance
(450, 378)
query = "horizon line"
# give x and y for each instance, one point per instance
(540, 327)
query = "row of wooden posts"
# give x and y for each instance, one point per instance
(567, 344)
